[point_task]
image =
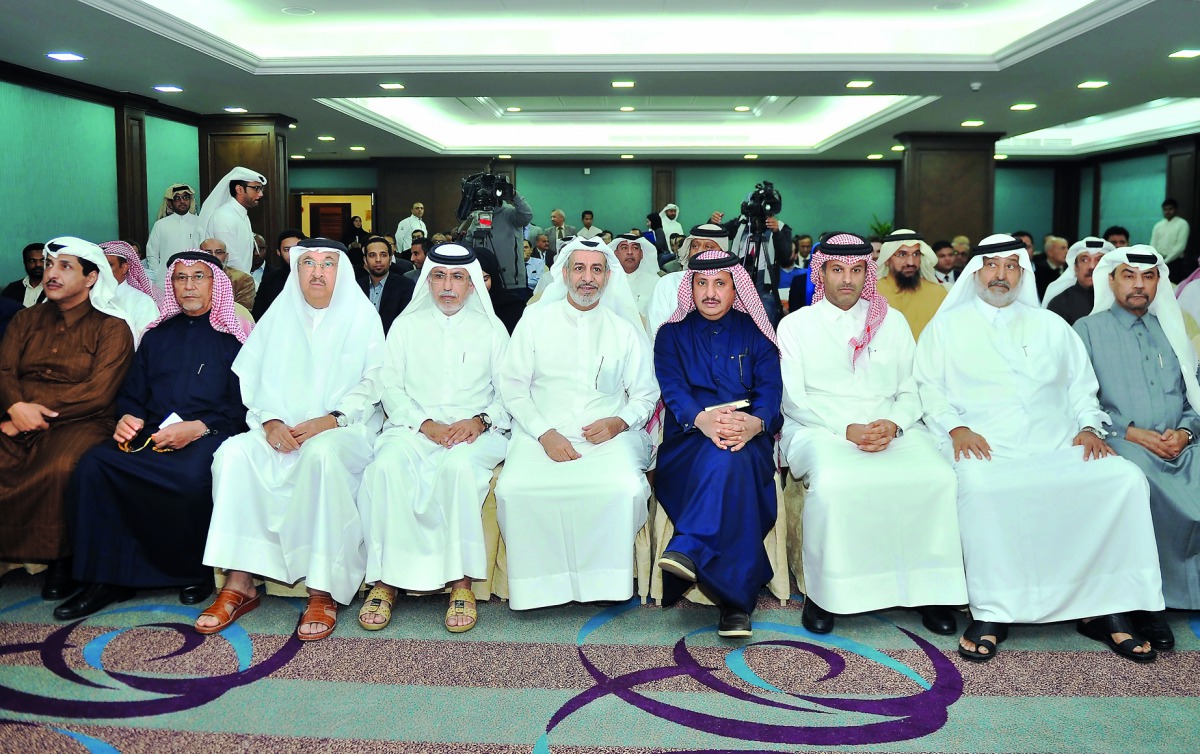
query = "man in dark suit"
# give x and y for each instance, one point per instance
(389, 293)
(28, 290)
(278, 270)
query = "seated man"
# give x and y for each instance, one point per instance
(880, 526)
(1147, 373)
(242, 282)
(573, 492)
(665, 299)
(279, 269)
(719, 374)
(421, 497)
(61, 363)
(1054, 525)
(28, 290)
(135, 294)
(907, 278)
(141, 517)
(388, 290)
(637, 258)
(283, 493)
(1070, 296)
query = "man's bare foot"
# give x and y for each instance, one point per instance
(240, 582)
(313, 628)
(381, 614)
(461, 615)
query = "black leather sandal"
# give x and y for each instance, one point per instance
(975, 633)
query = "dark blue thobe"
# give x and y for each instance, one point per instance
(141, 519)
(721, 503)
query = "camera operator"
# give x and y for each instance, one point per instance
(492, 197)
(757, 226)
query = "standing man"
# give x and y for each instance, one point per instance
(409, 225)
(508, 234)
(283, 493)
(579, 383)
(141, 517)
(1147, 372)
(1170, 238)
(177, 228)
(1068, 533)
(717, 364)
(558, 232)
(242, 283)
(134, 294)
(1070, 296)
(61, 363)
(907, 278)
(671, 225)
(224, 214)
(1117, 236)
(28, 290)
(421, 497)
(389, 292)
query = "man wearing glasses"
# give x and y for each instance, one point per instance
(907, 278)
(141, 502)
(178, 228)
(224, 214)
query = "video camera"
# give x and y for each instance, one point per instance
(765, 201)
(483, 192)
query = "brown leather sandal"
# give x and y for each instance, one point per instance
(227, 608)
(320, 609)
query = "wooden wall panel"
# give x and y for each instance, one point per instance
(131, 173)
(947, 184)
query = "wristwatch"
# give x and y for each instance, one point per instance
(485, 420)
(1094, 431)
(340, 418)
(1188, 432)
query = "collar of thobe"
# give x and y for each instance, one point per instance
(1126, 318)
(997, 315)
(75, 313)
(447, 321)
(853, 317)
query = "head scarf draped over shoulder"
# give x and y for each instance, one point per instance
(996, 245)
(135, 271)
(220, 195)
(102, 294)
(850, 249)
(222, 315)
(746, 299)
(452, 256)
(905, 237)
(616, 295)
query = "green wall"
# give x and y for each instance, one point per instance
(618, 194)
(172, 156)
(56, 147)
(302, 178)
(1131, 194)
(1024, 200)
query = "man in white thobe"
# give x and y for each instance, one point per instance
(224, 214)
(284, 492)
(880, 524)
(134, 290)
(1054, 525)
(578, 380)
(404, 231)
(1169, 236)
(671, 226)
(639, 259)
(177, 229)
(665, 299)
(421, 497)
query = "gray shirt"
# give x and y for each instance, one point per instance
(508, 231)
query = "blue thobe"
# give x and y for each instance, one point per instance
(721, 503)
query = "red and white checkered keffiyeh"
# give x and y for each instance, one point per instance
(135, 273)
(878, 305)
(747, 300)
(222, 315)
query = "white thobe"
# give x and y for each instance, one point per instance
(591, 232)
(663, 301)
(642, 285)
(231, 224)
(1046, 536)
(169, 236)
(140, 309)
(1189, 300)
(405, 230)
(880, 529)
(1169, 238)
(569, 527)
(420, 502)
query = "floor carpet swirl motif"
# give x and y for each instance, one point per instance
(626, 679)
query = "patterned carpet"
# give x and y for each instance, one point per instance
(628, 679)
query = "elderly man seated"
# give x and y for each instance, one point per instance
(141, 517)
(1055, 526)
(61, 363)
(241, 282)
(420, 498)
(134, 294)
(579, 383)
(880, 525)
(284, 492)
(908, 280)
(1147, 373)
(1070, 296)
(718, 367)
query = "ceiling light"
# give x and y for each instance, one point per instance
(750, 157)
(875, 156)
(628, 109)
(358, 149)
(1189, 54)
(858, 84)
(626, 157)
(292, 125)
(65, 57)
(1023, 106)
(391, 86)
(168, 88)
(898, 148)
(1093, 85)
(236, 110)
(623, 84)
(512, 109)
(971, 123)
(326, 138)
(742, 109)
(950, 6)
(296, 11)
(504, 156)
(1001, 156)
(297, 157)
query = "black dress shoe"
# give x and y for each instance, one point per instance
(196, 593)
(816, 618)
(93, 598)
(1154, 629)
(59, 584)
(734, 623)
(679, 564)
(938, 619)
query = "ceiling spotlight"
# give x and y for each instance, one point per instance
(296, 11)
(358, 149)
(1023, 106)
(626, 157)
(326, 138)
(168, 88)
(504, 156)
(1092, 85)
(65, 57)
(858, 84)
(971, 123)
(238, 110)
(292, 125)
(623, 84)
(875, 156)
(1187, 54)
(512, 109)
(750, 157)
(1000, 156)
(297, 157)
(391, 86)
(898, 148)
(628, 109)
(742, 109)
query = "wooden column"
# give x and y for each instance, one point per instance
(131, 171)
(662, 190)
(1183, 184)
(947, 184)
(257, 142)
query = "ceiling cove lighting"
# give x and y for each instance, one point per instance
(898, 148)
(391, 86)
(292, 125)
(1092, 85)
(168, 88)
(297, 157)
(628, 109)
(1000, 156)
(858, 84)
(971, 123)
(1021, 107)
(236, 110)
(512, 109)
(749, 157)
(742, 109)
(875, 156)
(504, 157)
(626, 157)
(65, 57)
(623, 84)
(326, 138)
(358, 149)
(1186, 54)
